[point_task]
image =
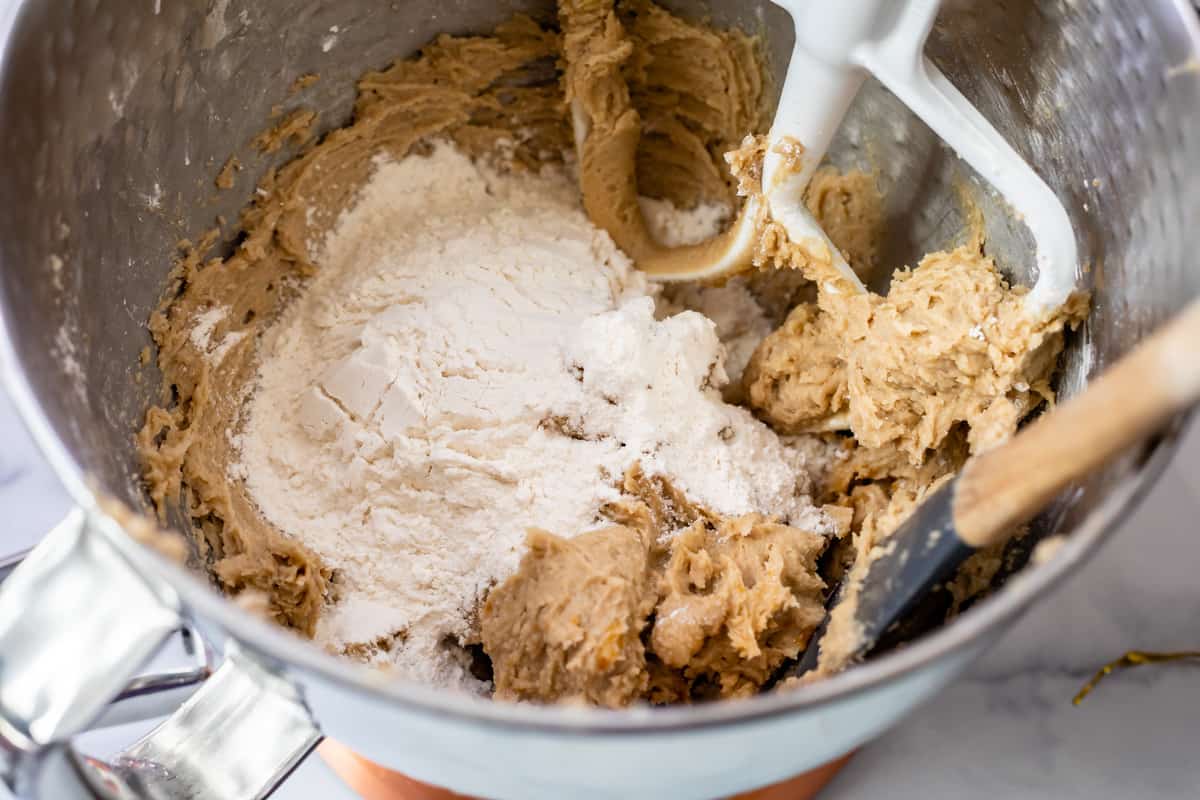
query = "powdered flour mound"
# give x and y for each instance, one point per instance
(473, 358)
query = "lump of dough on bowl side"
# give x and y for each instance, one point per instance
(671, 604)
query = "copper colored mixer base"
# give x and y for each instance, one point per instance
(374, 782)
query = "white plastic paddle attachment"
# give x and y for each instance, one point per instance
(837, 46)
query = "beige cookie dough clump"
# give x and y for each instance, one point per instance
(567, 625)
(672, 603)
(951, 343)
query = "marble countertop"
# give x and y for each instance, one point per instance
(1006, 729)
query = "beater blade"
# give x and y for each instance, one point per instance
(837, 47)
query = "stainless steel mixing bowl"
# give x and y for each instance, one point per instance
(114, 117)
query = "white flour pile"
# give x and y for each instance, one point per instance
(474, 358)
(741, 322)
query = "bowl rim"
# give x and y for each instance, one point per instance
(300, 659)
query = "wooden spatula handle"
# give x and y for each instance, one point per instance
(1009, 484)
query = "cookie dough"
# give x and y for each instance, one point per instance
(567, 626)
(951, 343)
(670, 604)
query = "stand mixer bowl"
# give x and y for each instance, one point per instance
(114, 122)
